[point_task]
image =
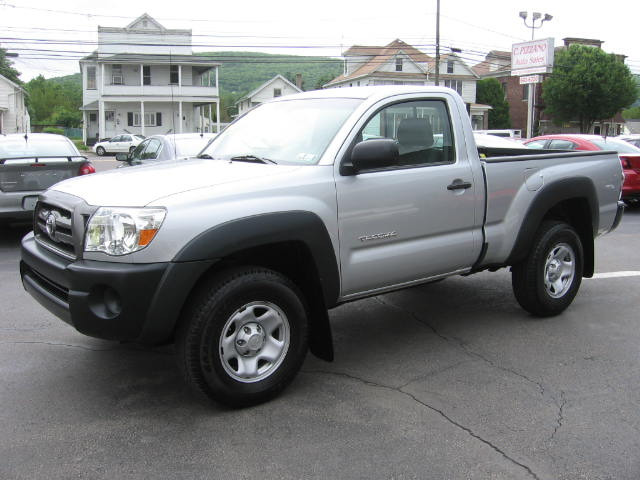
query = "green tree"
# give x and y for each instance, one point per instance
(6, 68)
(587, 85)
(490, 92)
(632, 113)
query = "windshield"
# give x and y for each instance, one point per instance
(190, 147)
(616, 145)
(36, 146)
(289, 132)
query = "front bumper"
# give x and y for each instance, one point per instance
(115, 301)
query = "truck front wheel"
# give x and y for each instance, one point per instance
(244, 337)
(546, 282)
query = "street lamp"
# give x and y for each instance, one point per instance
(535, 16)
(532, 91)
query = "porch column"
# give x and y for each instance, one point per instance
(180, 117)
(101, 79)
(210, 118)
(84, 126)
(101, 120)
(217, 108)
(141, 77)
(142, 118)
(216, 77)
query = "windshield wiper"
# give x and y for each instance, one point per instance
(251, 158)
(205, 155)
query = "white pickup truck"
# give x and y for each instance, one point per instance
(300, 205)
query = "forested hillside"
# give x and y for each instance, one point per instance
(57, 100)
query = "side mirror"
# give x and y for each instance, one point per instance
(374, 153)
(122, 157)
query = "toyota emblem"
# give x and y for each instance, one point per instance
(51, 225)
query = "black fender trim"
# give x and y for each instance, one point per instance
(260, 230)
(550, 195)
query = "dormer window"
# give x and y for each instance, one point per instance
(449, 66)
(277, 92)
(398, 64)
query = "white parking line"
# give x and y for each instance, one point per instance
(616, 274)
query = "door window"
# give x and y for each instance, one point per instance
(116, 139)
(562, 145)
(537, 144)
(152, 150)
(420, 128)
(137, 153)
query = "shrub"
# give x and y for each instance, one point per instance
(58, 131)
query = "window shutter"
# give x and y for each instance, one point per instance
(130, 119)
(158, 119)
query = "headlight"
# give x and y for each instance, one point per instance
(119, 231)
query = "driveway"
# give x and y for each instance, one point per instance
(444, 381)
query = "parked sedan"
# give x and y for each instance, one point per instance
(31, 163)
(632, 139)
(118, 144)
(166, 147)
(628, 153)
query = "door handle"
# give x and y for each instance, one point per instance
(459, 185)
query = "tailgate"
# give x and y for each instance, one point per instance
(29, 174)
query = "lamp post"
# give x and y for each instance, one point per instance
(532, 91)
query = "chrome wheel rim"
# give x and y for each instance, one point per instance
(559, 270)
(254, 341)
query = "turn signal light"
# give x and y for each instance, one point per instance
(86, 168)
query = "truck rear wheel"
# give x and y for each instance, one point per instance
(546, 282)
(244, 337)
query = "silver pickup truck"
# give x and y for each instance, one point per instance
(302, 204)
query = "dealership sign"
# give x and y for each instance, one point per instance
(532, 57)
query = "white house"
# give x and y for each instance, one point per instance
(278, 86)
(14, 117)
(144, 79)
(399, 63)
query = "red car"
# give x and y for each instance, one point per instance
(629, 156)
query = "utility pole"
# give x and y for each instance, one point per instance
(437, 42)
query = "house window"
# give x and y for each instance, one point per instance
(93, 117)
(277, 92)
(146, 75)
(174, 74)
(398, 64)
(116, 75)
(109, 116)
(455, 85)
(525, 92)
(151, 119)
(91, 78)
(449, 66)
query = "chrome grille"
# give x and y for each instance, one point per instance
(53, 227)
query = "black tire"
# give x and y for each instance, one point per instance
(204, 329)
(532, 280)
(101, 151)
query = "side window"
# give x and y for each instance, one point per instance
(562, 145)
(536, 144)
(152, 150)
(116, 139)
(126, 138)
(137, 153)
(420, 128)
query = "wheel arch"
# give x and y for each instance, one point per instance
(572, 200)
(295, 244)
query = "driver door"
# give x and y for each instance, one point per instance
(410, 221)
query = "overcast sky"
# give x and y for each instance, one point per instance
(311, 28)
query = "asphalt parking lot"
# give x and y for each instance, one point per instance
(445, 381)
